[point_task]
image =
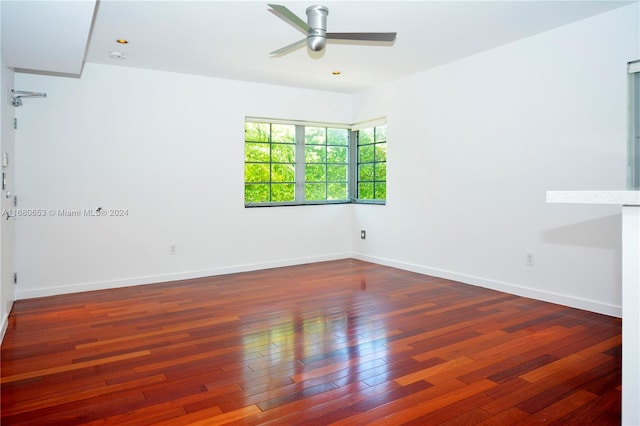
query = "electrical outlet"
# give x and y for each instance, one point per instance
(172, 249)
(530, 260)
(363, 234)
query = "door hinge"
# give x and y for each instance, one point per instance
(15, 278)
(15, 123)
(15, 201)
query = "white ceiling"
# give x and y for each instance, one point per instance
(48, 36)
(232, 39)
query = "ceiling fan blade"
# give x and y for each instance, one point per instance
(362, 36)
(288, 16)
(290, 48)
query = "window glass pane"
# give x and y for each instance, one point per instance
(256, 152)
(365, 136)
(336, 173)
(337, 137)
(336, 154)
(256, 132)
(381, 171)
(381, 151)
(315, 136)
(315, 191)
(381, 191)
(365, 154)
(337, 191)
(365, 172)
(315, 154)
(365, 190)
(256, 172)
(256, 193)
(283, 133)
(281, 153)
(372, 167)
(283, 192)
(315, 173)
(282, 173)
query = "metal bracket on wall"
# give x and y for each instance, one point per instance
(17, 95)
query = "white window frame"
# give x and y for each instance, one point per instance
(352, 161)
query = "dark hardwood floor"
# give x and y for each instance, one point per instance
(343, 342)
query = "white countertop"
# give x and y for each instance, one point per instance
(624, 198)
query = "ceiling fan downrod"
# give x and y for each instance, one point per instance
(317, 21)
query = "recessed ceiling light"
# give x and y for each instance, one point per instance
(117, 55)
(122, 41)
(336, 73)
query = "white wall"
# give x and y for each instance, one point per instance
(474, 145)
(169, 148)
(7, 145)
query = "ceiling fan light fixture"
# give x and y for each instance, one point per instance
(316, 43)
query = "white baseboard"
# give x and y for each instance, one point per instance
(4, 326)
(574, 302)
(560, 299)
(151, 279)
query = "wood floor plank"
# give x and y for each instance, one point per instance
(554, 367)
(450, 412)
(70, 367)
(435, 403)
(511, 416)
(163, 331)
(564, 406)
(426, 373)
(325, 406)
(52, 400)
(560, 377)
(342, 342)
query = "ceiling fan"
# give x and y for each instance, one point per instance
(316, 29)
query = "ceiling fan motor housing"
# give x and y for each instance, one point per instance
(317, 21)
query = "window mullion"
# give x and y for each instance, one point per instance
(375, 177)
(353, 165)
(270, 162)
(299, 167)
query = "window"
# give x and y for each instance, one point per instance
(326, 164)
(269, 169)
(372, 163)
(290, 164)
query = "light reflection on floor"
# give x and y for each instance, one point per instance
(343, 340)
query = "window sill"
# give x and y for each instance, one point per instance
(318, 203)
